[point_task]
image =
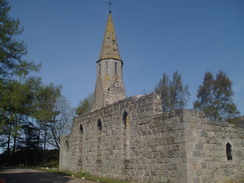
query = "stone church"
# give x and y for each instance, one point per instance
(130, 138)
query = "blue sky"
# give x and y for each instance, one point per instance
(156, 36)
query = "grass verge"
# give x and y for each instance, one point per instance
(83, 175)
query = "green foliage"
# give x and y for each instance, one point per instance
(46, 98)
(15, 91)
(85, 105)
(45, 108)
(174, 94)
(29, 138)
(27, 107)
(22, 101)
(16, 106)
(11, 50)
(27, 157)
(214, 98)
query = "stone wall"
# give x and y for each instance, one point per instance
(206, 156)
(133, 140)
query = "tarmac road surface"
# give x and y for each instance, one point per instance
(36, 176)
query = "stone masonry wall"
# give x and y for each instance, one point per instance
(206, 156)
(133, 140)
(142, 147)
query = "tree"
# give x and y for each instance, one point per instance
(214, 97)
(174, 95)
(13, 68)
(12, 51)
(163, 89)
(85, 105)
(25, 101)
(27, 107)
(29, 137)
(16, 106)
(63, 121)
(45, 109)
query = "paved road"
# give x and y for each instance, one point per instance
(36, 176)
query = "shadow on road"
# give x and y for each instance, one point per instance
(34, 176)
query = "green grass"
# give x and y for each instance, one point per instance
(49, 164)
(83, 174)
(232, 181)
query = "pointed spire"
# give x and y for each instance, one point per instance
(110, 49)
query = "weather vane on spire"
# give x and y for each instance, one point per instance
(110, 6)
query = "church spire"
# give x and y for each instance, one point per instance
(110, 49)
(109, 85)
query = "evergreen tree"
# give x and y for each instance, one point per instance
(174, 95)
(12, 51)
(205, 96)
(214, 98)
(85, 105)
(29, 137)
(45, 108)
(16, 107)
(13, 67)
(163, 88)
(21, 99)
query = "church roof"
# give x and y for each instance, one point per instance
(110, 49)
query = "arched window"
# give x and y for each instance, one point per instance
(66, 145)
(99, 69)
(116, 68)
(99, 125)
(125, 116)
(81, 129)
(228, 151)
(125, 130)
(99, 139)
